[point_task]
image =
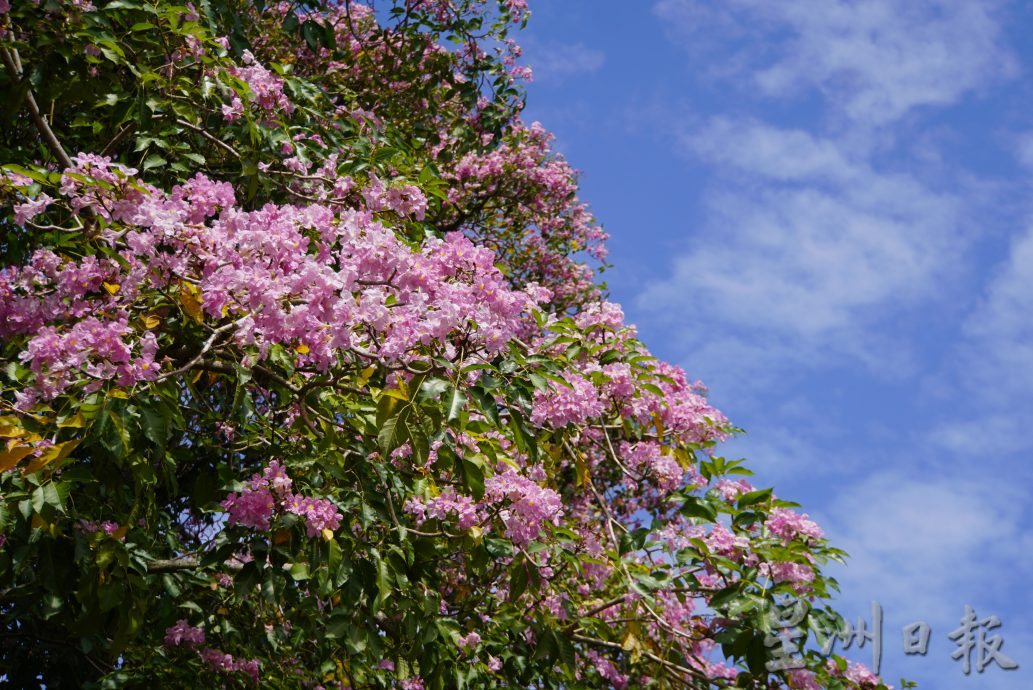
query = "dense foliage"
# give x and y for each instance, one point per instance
(309, 383)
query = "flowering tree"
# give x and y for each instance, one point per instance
(309, 383)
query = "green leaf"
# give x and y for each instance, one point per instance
(154, 161)
(754, 497)
(485, 403)
(474, 474)
(518, 576)
(396, 431)
(456, 403)
(698, 508)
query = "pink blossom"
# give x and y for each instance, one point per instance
(30, 209)
(221, 662)
(801, 679)
(182, 633)
(470, 641)
(250, 508)
(319, 513)
(530, 505)
(565, 405)
(788, 524)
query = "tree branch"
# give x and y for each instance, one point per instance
(210, 137)
(13, 64)
(175, 565)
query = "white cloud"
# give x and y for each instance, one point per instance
(782, 155)
(806, 246)
(553, 61)
(875, 60)
(917, 541)
(926, 545)
(1024, 149)
(995, 362)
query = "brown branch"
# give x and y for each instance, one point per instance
(175, 565)
(691, 672)
(13, 64)
(210, 137)
(118, 139)
(605, 605)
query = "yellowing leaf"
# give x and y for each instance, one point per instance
(118, 393)
(366, 375)
(9, 421)
(112, 288)
(150, 321)
(55, 453)
(632, 644)
(397, 394)
(120, 533)
(11, 431)
(584, 476)
(328, 534)
(76, 421)
(683, 458)
(38, 522)
(12, 456)
(190, 298)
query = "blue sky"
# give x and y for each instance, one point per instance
(823, 209)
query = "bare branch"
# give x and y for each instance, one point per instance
(13, 64)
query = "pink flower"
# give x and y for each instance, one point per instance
(470, 641)
(30, 209)
(319, 513)
(565, 405)
(182, 633)
(803, 680)
(530, 505)
(250, 508)
(222, 662)
(788, 524)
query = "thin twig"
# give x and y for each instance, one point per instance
(13, 64)
(204, 133)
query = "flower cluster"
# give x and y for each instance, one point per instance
(530, 505)
(548, 232)
(788, 525)
(440, 507)
(182, 633)
(354, 288)
(573, 403)
(222, 662)
(649, 458)
(255, 506)
(266, 89)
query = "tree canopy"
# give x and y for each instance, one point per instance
(309, 379)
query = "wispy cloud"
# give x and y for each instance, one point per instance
(555, 62)
(806, 243)
(915, 538)
(926, 546)
(996, 363)
(874, 60)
